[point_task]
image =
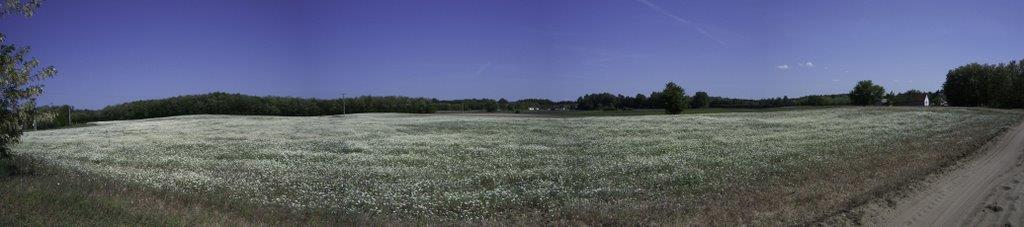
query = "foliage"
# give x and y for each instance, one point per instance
(609, 101)
(492, 106)
(675, 98)
(700, 100)
(460, 104)
(46, 117)
(785, 101)
(599, 101)
(27, 8)
(656, 100)
(542, 104)
(824, 100)
(237, 104)
(908, 98)
(1000, 85)
(867, 93)
(503, 105)
(19, 77)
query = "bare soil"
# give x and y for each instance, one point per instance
(984, 190)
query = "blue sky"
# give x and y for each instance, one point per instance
(109, 52)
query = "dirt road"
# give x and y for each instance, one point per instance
(984, 191)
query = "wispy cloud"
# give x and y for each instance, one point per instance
(681, 20)
(782, 67)
(483, 68)
(807, 64)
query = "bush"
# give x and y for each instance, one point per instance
(675, 98)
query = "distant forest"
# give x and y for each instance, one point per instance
(988, 85)
(608, 101)
(239, 104)
(1000, 85)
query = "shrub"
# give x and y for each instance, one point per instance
(674, 97)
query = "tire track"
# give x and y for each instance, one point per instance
(985, 191)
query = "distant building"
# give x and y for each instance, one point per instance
(926, 101)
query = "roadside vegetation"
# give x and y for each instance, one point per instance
(725, 168)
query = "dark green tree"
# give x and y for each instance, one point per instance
(674, 97)
(818, 100)
(998, 85)
(491, 106)
(700, 100)
(866, 93)
(959, 85)
(656, 100)
(19, 77)
(641, 101)
(1017, 68)
(503, 104)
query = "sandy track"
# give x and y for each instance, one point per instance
(984, 191)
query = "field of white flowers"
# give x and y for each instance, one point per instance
(711, 168)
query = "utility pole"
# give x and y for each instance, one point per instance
(69, 115)
(342, 103)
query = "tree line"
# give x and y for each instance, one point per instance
(784, 101)
(502, 105)
(989, 85)
(239, 104)
(864, 93)
(656, 100)
(608, 101)
(673, 98)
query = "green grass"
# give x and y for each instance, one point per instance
(767, 167)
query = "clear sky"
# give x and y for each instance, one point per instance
(114, 51)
